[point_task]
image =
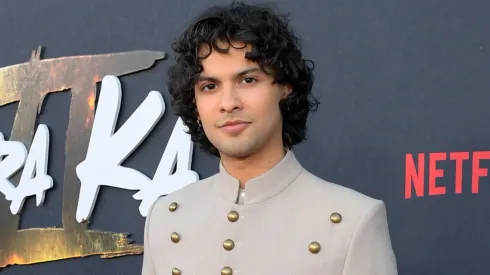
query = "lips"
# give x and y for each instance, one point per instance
(234, 122)
(234, 127)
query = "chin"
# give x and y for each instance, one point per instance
(236, 151)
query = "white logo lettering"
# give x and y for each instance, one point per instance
(34, 179)
(107, 150)
(178, 151)
(105, 153)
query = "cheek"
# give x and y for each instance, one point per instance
(205, 110)
(201, 105)
(263, 106)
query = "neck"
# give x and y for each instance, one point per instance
(254, 165)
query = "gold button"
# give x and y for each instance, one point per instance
(175, 237)
(172, 207)
(314, 247)
(175, 271)
(336, 218)
(233, 216)
(226, 271)
(228, 245)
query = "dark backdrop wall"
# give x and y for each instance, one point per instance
(394, 78)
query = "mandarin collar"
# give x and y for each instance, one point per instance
(262, 187)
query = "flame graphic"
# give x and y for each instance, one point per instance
(15, 259)
(91, 101)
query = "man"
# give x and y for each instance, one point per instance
(243, 89)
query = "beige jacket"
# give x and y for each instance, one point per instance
(288, 222)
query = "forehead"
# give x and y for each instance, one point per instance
(227, 64)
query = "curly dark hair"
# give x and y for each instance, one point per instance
(275, 48)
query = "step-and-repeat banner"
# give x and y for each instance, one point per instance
(88, 139)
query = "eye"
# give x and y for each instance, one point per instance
(208, 87)
(249, 80)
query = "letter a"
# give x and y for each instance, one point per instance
(178, 152)
(34, 179)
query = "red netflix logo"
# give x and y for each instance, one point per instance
(415, 172)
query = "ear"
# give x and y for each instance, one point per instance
(287, 89)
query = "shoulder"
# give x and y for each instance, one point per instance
(334, 192)
(329, 197)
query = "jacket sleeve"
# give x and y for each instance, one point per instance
(148, 268)
(370, 251)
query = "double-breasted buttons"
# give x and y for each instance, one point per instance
(175, 237)
(173, 206)
(233, 216)
(226, 270)
(314, 247)
(175, 271)
(336, 218)
(228, 244)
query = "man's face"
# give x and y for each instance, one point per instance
(238, 104)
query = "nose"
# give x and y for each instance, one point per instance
(230, 100)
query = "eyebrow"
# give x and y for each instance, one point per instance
(237, 75)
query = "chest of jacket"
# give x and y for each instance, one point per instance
(267, 238)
